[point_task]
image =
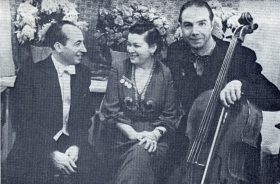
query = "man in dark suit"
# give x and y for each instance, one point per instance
(195, 62)
(52, 114)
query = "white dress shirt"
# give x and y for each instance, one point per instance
(63, 73)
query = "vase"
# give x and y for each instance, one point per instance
(118, 56)
(39, 53)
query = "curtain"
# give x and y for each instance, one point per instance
(7, 69)
(6, 59)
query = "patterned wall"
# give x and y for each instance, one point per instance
(88, 10)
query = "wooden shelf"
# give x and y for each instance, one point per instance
(98, 86)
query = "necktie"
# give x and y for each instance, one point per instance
(199, 62)
(70, 69)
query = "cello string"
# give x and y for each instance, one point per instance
(219, 85)
(204, 127)
(222, 74)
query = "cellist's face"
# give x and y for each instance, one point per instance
(196, 27)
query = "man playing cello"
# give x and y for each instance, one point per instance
(195, 62)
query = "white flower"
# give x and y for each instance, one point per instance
(68, 7)
(153, 10)
(177, 34)
(26, 9)
(158, 23)
(137, 15)
(232, 22)
(218, 27)
(127, 11)
(142, 8)
(71, 15)
(152, 16)
(29, 20)
(27, 33)
(162, 31)
(49, 6)
(214, 4)
(164, 20)
(27, 15)
(82, 25)
(42, 32)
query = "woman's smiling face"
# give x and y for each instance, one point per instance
(138, 49)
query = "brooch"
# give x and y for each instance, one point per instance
(149, 106)
(128, 101)
(126, 82)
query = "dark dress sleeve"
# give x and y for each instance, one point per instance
(111, 106)
(169, 115)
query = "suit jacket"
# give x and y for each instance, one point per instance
(38, 112)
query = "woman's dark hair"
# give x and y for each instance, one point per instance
(55, 34)
(152, 37)
(196, 3)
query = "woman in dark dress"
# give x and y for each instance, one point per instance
(139, 110)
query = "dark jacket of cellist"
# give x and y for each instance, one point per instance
(255, 86)
(195, 62)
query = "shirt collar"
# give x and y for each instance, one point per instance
(209, 51)
(58, 66)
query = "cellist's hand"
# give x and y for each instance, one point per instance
(231, 93)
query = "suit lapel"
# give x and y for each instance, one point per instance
(49, 92)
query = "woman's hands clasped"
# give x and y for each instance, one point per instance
(149, 139)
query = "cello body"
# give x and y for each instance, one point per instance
(237, 140)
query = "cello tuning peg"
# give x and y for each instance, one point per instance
(277, 125)
(255, 26)
(252, 28)
(245, 19)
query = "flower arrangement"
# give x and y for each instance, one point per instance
(113, 24)
(34, 17)
(224, 18)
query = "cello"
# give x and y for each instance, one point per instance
(221, 139)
